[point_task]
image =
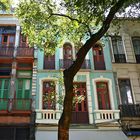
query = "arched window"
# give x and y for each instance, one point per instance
(103, 95)
(67, 55)
(67, 51)
(98, 57)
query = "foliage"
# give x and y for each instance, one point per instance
(48, 23)
(5, 4)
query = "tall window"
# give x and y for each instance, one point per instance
(7, 36)
(118, 49)
(136, 45)
(49, 62)
(67, 51)
(23, 41)
(80, 107)
(103, 95)
(48, 97)
(98, 57)
(4, 88)
(8, 40)
(67, 55)
(23, 88)
(125, 91)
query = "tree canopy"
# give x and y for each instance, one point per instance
(50, 22)
(5, 4)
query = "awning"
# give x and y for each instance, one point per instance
(80, 134)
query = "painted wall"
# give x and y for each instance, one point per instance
(130, 69)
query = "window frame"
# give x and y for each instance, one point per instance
(103, 103)
(132, 40)
(118, 57)
(23, 89)
(125, 93)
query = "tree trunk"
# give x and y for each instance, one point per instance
(64, 122)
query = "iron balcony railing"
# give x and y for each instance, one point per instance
(66, 63)
(137, 58)
(131, 110)
(120, 58)
(15, 104)
(6, 51)
(49, 64)
(25, 52)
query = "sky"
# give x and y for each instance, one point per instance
(15, 2)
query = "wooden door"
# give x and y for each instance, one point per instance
(98, 57)
(48, 95)
(80, 109)
(103, 95)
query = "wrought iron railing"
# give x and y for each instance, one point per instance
(66, 63)
(15, 104)
(6, 51)
(86, 64)
(120, 58)
(137, 58)
(131, 110)
(25, 52)
(49, 64)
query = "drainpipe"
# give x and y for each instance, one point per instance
(13, 73)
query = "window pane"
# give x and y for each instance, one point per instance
(136, 44)
(117, 45)
(103, 95)
(6, 85)
(0, 84)
(48, 95)
(11, 39)
(27, 85)
(5, 38)
(125, 91)
(20, 84)
(19, 94)
(27, 94)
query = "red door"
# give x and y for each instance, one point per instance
(98, 57)
(80, 109)
(103, 95)
(48, 95)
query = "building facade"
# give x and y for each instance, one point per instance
(125, 50)
(31, 83)
(16, 82)
(95, 81)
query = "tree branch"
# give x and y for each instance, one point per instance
(72, 19)
(94, 38)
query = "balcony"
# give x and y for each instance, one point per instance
(119, 58)
(86, 64)
(137, 58)
(49, 64)
(15, 105)
(66, 63)
(48, 116)
(25, 52)
(6, 52)
(106, 115)
(130, 110)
